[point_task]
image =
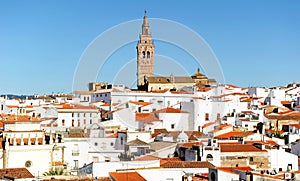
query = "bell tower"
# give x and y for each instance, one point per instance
(145, 55)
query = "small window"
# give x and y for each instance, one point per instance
(111, 144)
(148, 54)
(96, 144)
(143, 54)
(172, 126)
(63, 122)
(28, 164)
(246, 125)
(206, 116)
(251, 159)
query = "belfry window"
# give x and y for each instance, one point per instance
(143, 54)
(148, 54)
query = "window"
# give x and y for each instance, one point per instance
(111, 144)
(78, 115)
(122, 140)
(172, 126)
(28, 164)
(206, 116)
(209, 157)
(95, 159)
(72, 114)
(78, 122)
(148, 54)
(63, 122)
(96, 144)
(90, 121)
(246, 125)
(84, 121)
(143, 54)
(251, 159)
(72, 122)
(75, 164)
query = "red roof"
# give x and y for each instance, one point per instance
(295, 125)
(231, 169)
(208, 124)
(187, 164)
(239, 148)
(140, 103)
(125, 176)
(170, 110)
(146, 117)
(234, 134)
(286, 102)
(15, 173)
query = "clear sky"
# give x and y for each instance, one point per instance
(257, 42)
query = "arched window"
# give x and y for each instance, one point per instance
(143, 54)
(148, 54)
(209, 157)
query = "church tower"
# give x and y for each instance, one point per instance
(145, 56)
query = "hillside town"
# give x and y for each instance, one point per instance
(179, 128)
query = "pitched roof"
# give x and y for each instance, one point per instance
(170, 110)
(146, 117)
(239, 148)
(233, 169)
(125, 176)
(187, 164)
(15, 173)
(140, 103)
(160, 145)
(176, 79)
(236, 134)
(19, 118)
(147, 158)
(295, 125)
(136, 142)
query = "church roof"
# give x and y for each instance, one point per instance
(176, 79)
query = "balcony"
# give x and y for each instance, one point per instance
(75, 152)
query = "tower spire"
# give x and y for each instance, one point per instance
(145, 26)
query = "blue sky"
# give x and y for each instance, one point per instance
(257, 42)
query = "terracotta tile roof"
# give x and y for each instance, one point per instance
(12, 106)
(140, 103)
(207, 124)
(239, 148)
(232, 86)
(126, 176)
(235, 134)
(295, 125)
(136, 142)
(288, 115)
(286, 102)
(266, 142)
(16, 173)
(165, 160)
(19, 118)
(163, 130)
(187, 164)
(193, 135)
(160, 145)
(146, 117)
(146, 158)
(170, 110)
(190, 144)
(232, 169)
(115, 135)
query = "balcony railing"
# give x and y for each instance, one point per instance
(75, 152)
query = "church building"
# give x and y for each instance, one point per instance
(147, 81)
